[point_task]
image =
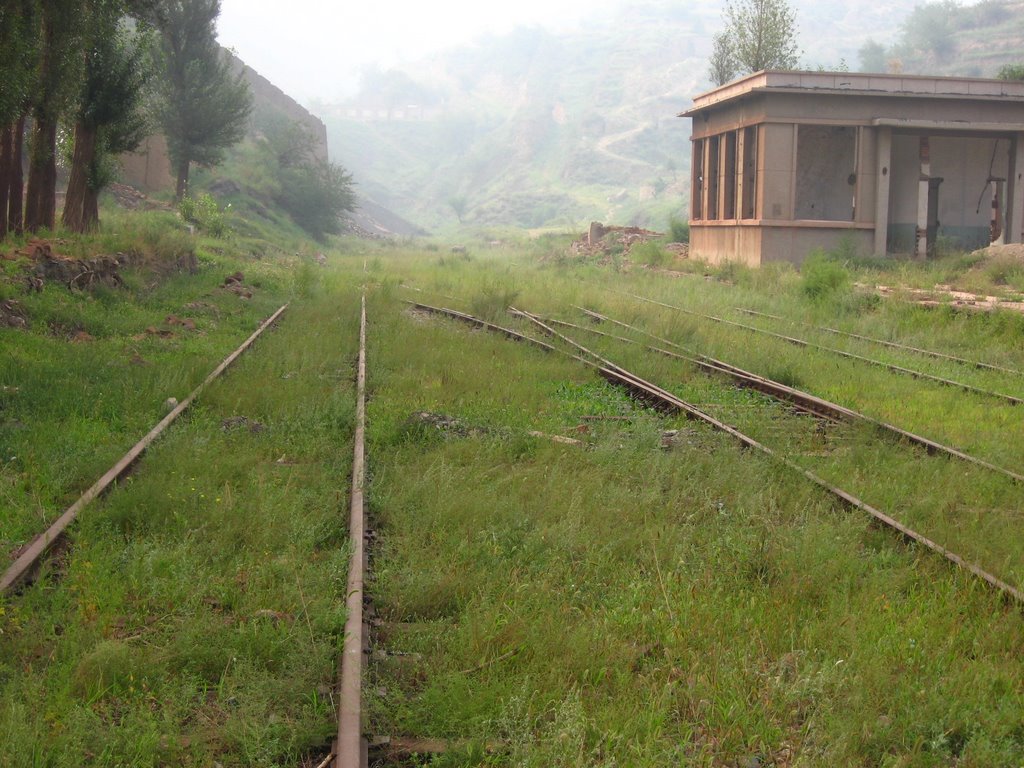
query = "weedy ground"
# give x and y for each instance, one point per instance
(608, 603)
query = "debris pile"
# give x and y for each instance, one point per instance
(605, 240)
(235, 283)
(133, 199)
(75, 273)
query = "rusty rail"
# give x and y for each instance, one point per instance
(889, 344)
(23, 566)
(666, 401)
(800, 399)
(849, 355)
(350, 747)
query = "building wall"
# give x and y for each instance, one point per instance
(963, 164)
(149, 167)
(719, 244)
(794, 244)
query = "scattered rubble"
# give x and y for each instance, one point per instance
(13, 314)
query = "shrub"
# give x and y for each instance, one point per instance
(650, 253)
(678, 230)
(492, 301)
(822, 277)
(204, 212)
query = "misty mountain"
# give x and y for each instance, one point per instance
(541, 129)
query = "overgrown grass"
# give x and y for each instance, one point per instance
(198, 616)
(610, 603)
(622, 604)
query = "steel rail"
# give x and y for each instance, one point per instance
(26, 562)
(350, 748)
(850, 355)
(664, 400)
(884, 343)
(478, 323)
(803, 400)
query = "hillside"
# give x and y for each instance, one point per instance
(537, 129)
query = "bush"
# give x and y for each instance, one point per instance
(678, 230)
(650, 253)
(492, 301)
(822, 277)
(204, 212)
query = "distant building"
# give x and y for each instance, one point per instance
(787, 162)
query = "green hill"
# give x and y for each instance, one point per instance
(537, 129)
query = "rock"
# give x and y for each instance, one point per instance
(223, 187)
(13, 314)
(170, 404)
(236, 422)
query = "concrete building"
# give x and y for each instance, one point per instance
(787, 162)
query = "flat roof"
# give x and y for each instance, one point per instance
(863, 83)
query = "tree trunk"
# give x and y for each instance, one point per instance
(41, 201)
(78, 184)
(16, 201)
(182, 188)
(91, 210)
(6, 161)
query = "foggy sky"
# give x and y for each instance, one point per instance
(315, 49)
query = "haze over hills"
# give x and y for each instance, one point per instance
(540, 129)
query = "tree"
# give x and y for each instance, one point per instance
(758, 34)
(722, 65)
(930, 29)
(458, 206)
(872, 57)
(18, 31)
(205, 107)
(56, 83)
(1011, 72)
(110, 118)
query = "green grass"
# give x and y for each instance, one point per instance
(609, 603)
(626, 605)
(199, 613)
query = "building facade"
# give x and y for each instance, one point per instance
(785, 163)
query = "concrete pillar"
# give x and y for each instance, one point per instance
(1014, 225)
(921, 241)
(882, 174)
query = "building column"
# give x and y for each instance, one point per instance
(882, 171)
(1013, 227)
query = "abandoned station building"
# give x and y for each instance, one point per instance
(788, 162)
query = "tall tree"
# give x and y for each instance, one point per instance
(18, 30)
(722, 65)
(205, 107)
(58, 73)
(110, 115)
(759, 34)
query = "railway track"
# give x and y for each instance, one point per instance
(351, 749)
(665, 401)
(27, 563)
(1011, 399)
(888, 344)
(801, 400)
